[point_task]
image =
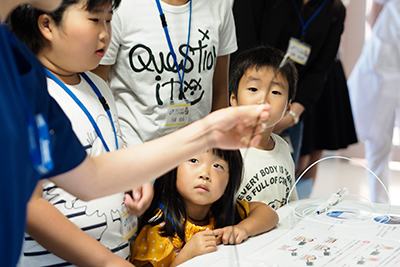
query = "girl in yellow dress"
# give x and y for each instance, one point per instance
(193, 209)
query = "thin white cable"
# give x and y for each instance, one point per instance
(311, 210)
(349, 159)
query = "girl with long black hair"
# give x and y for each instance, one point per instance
(194, 209)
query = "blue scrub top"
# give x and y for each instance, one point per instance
(18, 178)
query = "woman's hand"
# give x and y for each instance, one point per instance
(228, 126)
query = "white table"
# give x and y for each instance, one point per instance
(352, 238)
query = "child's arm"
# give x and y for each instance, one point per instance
(52, 230)
(220, 83)
(261, 219)
(201, 243)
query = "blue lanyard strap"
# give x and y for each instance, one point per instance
(304, 26)
(39, 142)
(104, 103)
(161, 207)
(84, 109)
(171, 48)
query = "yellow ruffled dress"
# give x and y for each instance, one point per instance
(151, 247)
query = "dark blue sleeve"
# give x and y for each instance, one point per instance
(18, 178)
(67, 151)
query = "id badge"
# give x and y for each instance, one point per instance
(129, 223)
(298, 51)
(178, 114)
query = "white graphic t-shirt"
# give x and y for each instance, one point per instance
(268, 175)
(143, 77)
(100, 218)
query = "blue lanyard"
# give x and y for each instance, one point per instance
(84, 109)
(161, 207)
(304, 26)
(171, 48)
(38, 132)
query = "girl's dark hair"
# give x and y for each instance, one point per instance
(224, 210)
(258, 57)
(23, 21)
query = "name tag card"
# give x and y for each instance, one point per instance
(298, 51)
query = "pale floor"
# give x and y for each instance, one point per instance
(334, 174)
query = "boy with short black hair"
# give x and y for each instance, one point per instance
(269, 167)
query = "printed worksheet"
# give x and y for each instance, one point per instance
(310, 246)
(348, 234)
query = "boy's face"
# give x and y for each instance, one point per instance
(253, 89)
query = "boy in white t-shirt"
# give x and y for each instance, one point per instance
(269, 167)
